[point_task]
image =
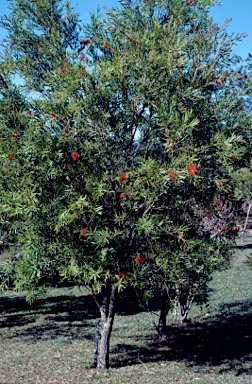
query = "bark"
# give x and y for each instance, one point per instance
(106, 303)
(96, 344)
(162, 328)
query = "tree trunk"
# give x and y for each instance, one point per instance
(162, 329)
(106, 303)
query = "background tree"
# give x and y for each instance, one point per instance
(120, 147)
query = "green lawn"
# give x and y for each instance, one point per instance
(52, 341)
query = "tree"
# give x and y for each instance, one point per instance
(119, 147)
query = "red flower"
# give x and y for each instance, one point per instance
(172, 175)
(192, 169)
(62, 69)
(223, 229)
(10, 158)
(140, 259)
(84, 231)
(122, 275)
(14, 134)
(53, 116)
(74, 155)
(105, 44)
(233, 158)
(83, 56)
(85, 41)
(122, 176)
(123, 196)
(132, 40)
(188, 2)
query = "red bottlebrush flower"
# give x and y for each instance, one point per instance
(10, 158)
(172, 175)
(105, 45)
(122, 176)
(83, 56)
(122, 275)
(85, 41)
(74, 155)
(231, 195)
(53, 116)
(132, 40)
(84, 231)
(192, 169)
(190, 2)
(233, 158)
(140, 259)
(223, 229)
(62, 69)
(123, 196)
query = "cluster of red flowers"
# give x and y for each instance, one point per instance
(83, 56)
(10, 158)
(140, 259)
(188, 2)
(122, 275)
(192, 169)
(132, 40)
(233, 158)
(62, 69)
(122, 196)
(74, 155)
(105, 45)
(172, 175)
(84, 231)
(122, 176)
(85, 41)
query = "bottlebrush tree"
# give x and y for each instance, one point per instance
(117, 142)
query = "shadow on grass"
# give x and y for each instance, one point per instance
(53, 317)
(223, 341)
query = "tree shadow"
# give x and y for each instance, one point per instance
(223, 341)
(61, 316)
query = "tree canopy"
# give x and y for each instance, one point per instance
(118, 143)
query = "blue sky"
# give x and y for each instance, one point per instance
(239, 10)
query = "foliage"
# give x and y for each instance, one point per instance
(117, 144)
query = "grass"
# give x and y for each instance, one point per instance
(52, 341)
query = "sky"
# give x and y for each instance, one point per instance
(239, 10)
